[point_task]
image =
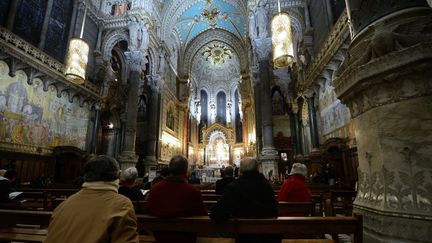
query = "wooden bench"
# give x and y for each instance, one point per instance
(284, 208)
(202, 225)
(342, 201)
(287, 226)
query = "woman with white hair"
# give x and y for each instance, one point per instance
(127, 185)
(294, 188)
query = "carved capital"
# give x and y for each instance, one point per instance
(136, 60)
(263, 48)
(389, 63)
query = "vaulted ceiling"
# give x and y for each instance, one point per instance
(210, 14)
(189, 18)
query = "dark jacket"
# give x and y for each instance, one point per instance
(4, 189)
(134, 194)
(250, 196)
(222, 183)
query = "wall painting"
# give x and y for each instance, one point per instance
(31, 116)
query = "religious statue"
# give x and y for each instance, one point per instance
(252, 26)
(261, 19)
(133, 34)
(143, 36)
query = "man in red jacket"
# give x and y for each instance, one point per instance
(294, 188)
(174, 197)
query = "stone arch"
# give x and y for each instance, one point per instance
(205, 38)
(111, 39)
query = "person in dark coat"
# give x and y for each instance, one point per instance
(127, 185)
(250, 196)
(222, 183)
(7, 184)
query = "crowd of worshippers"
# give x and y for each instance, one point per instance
(102, 211)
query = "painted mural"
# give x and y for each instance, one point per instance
(31, 116)
(333, 113)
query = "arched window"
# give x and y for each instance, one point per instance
(204, 111)
(221, 107)
(238, 122)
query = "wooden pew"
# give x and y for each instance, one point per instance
(284, 208)
(202, 225)
(342, 201)
(283, 225)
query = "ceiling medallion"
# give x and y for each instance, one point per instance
(210, 13)
(217, 53)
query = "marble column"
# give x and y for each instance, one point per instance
(94, 129)
(153, 123)
(136, 63)
(257, 104)
(269, 155)
(386, 83)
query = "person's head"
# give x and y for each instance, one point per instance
(11, 175)
(2, 172)
(299, 169)
(101, 168)
(178, 165)
(248, 164)
(229, 171)
(130, 174)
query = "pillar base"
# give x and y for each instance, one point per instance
(384, 227)
(269, 163)
(127, 159)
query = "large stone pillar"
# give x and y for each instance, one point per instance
(386, 82)
(313, 121)
(153, 122)
(269, 155)
(135, 61)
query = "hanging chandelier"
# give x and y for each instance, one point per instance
(77, 57)
(283, 53)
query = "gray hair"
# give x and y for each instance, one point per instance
(130, 174)
(248, 164)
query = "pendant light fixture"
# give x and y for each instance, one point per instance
(283, 53)
(77, 57)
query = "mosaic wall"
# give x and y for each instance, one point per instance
(31, 116)
(332, 112)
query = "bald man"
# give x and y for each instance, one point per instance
(250, 196)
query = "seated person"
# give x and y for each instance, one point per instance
(294, 188)
(250, 196)
(174, 197)
(221, 184)
(97, 213)
(193, 179)
(7, 185)
(127, 185)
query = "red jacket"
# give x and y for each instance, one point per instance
(294, 189)
(174, 197)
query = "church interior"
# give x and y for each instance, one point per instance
(342, 86)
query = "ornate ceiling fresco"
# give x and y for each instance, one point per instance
(210, 14)
(213, 77)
